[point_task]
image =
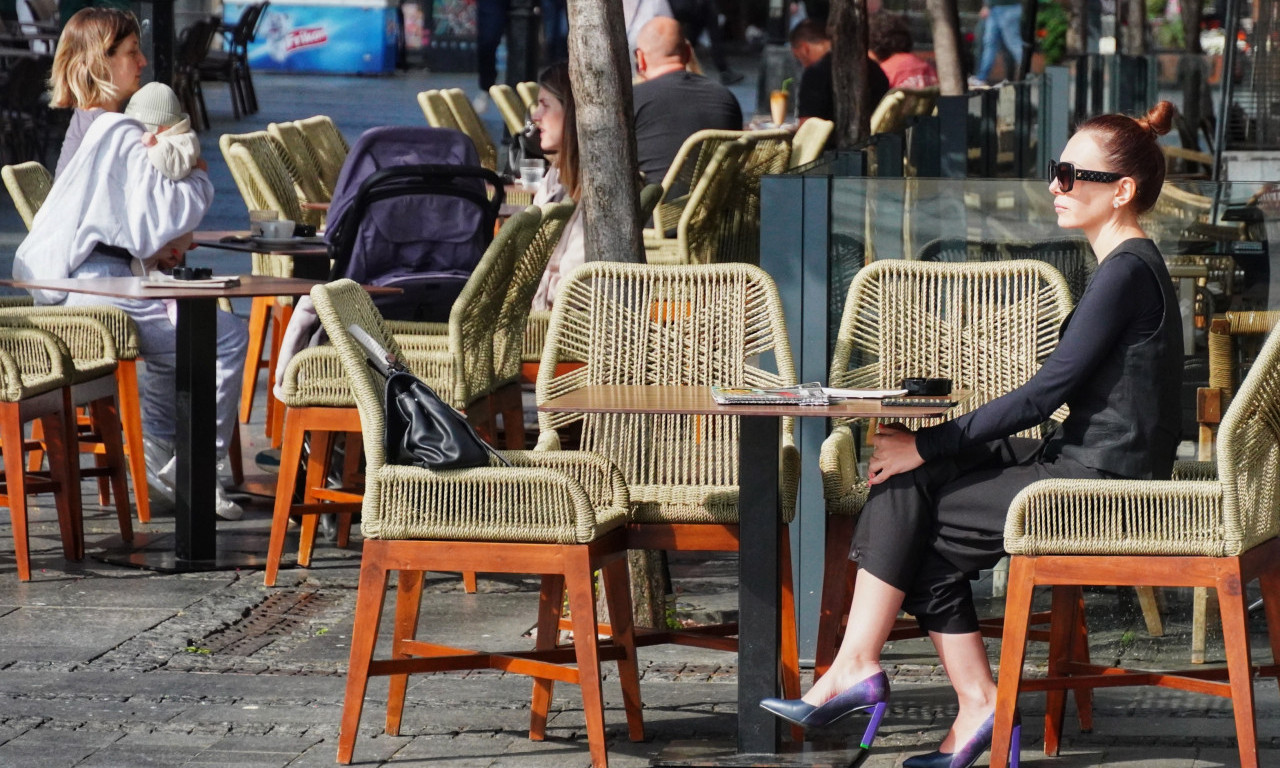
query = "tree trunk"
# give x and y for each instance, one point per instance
(944, 19)
(649, 587)
(600, 71)
(847, 26)
(1133, 36)
(1192, 11)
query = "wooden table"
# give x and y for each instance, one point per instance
(759, 519)
(195, 534)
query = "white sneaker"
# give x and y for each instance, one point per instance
(976, 83)
(161, 469)
(226, 508)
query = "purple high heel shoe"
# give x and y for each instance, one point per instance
(968, 754)
(872, 693)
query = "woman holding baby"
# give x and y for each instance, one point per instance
(112, 212)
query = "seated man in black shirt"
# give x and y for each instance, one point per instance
(812, 48)
(672, 103)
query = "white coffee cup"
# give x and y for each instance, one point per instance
(257, 217)
(277, 230)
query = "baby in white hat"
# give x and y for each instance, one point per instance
(171, 145)
(174, 149)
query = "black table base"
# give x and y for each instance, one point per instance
(155, 552)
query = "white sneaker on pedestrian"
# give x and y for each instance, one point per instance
(225, 507)
(161, 470)
(976, 83)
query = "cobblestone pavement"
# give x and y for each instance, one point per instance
(104, 666)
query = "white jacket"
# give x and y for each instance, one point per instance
(176, 150)
(108, 193)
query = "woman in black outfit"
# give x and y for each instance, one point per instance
(939, 496)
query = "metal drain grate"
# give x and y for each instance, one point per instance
(282, 614)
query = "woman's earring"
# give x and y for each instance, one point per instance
(1115, 203)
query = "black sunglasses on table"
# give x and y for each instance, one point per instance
(1067, 173)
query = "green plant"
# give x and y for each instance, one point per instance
(199, 650)
(1052, 23)
(786, 84)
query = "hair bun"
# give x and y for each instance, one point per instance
(1159, 119)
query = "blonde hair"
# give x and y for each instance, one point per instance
(81, 69)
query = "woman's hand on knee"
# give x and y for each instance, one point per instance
(895, 452)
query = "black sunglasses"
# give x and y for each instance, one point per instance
(1067, 173)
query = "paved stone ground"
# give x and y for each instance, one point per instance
(105, 666)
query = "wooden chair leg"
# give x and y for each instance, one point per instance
(286, 481)
(617, 595)
(1080, 654)
(1150, 610)
(131, 425)
(1013, 649)
(550, 610)
(835, 598)
(351, 452)
(408, 602)
(1062, 629)
(15, 484)
(1235, 635)
(105, 417)
(253, 358)
(64, 467)
(789, 645)
(317, 471)
(582, 609)
(369, 598)
(275, 409)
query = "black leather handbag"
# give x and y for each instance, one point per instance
(421, 429)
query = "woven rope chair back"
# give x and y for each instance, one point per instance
(469, 123)
(987, 327)
(691, 325)
(28, 184)
(328, 146)
(262, 173)
(513, 317)
(339, 305)
(309, 180)
(477, 311)
(1248, 453)
(1072, 257)
(769, 153)
(436, 110)
(809, 141)
(528, 92)
(899, 105)
(709, 222)
(688, 166)
(510, 106)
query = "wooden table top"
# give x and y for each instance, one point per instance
(697, 400)
(219, 239)
(132, 287)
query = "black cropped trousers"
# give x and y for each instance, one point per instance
(930, 531)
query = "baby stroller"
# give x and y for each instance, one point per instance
(411, 210)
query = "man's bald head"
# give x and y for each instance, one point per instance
(661, 48)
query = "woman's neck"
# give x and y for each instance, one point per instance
(1108, 236)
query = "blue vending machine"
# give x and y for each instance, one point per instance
(350, 37)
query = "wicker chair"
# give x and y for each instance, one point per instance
(510, 106)
(704, 213)
(901, 104)
(528, 91)
(987, 327)
(1218, 534)
(472, 361)
(469, 123)
(436, 109)
(309, 180)
(1212, 401)
(35, 383)
(328, 145)
(810, 140)
(682, 177)
(1072, 257)
(561, 515)
(639, 324)
(29, 184)
(266, 182)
